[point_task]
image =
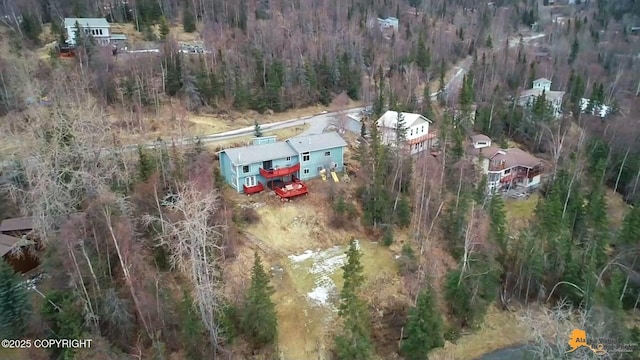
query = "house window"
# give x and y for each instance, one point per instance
(319, 168)
(507, 171)
(245, 169)
(327, 153)
(411, 132)
(288, 158)
(305, 157)
(100, 31)
(305, 171)
(422, 129)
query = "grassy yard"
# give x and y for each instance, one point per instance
(520, 211)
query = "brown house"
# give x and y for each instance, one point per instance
(15, 249)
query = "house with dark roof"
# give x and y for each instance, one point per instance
(282, 165)
(505, 168)
(15, 246)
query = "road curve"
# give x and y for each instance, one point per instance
(455, 83)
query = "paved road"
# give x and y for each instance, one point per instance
(455, 83)
(318, 122)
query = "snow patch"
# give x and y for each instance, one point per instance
(324, 264)
(308, 254)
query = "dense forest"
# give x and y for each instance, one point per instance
(138, 244)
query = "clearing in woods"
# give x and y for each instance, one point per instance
(305, 257)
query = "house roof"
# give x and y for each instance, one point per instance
(87, 22)
(316, 142)
(17, 224)
(7, 243)
(480, 137)
(544, 80)
(487, 152)
(257, 153)
(390, 119)
(516, 157)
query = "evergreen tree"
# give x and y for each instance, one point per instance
(423, 329)
(498, 233)
(630, 231)
(400, 130)
(415, 4)
(191, 328)
(442, 84)
(14, 303)
(172, 63)
(259, 318)
(164, 28)
(489, 42)
(423, 57)
(188, 20)
(31, 27)
(403, 212)
(257, 129)
(146, 165)
(354, 343)
(427, 109)
(387, 237)
(575, 47)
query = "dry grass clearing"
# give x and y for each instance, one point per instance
(616, 208)
(305, 257)
(214, 123)
(520, 211)
(499, 330)
(246, 140)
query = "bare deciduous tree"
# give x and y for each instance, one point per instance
(196, 249)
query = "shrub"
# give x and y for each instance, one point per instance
(407, 260)
(387, 238)
(246, 216)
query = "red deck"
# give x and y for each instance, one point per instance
(277, 173)
(253, 189)
(291, 190)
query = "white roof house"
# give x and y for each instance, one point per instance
(98, 28)
(540, 86)
(417, 129)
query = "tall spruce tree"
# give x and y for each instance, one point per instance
(14, 303)
(423, 329)
(259, 317)
(400, 130)
(354, 343)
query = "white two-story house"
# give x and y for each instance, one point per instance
(98, 28)
(417, 133)
(540, 86)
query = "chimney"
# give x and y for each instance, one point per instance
(309, 140)
(239, 157)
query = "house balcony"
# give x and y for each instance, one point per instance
(291, 190)
(421, 139)
(281, 172)
(253, 189)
